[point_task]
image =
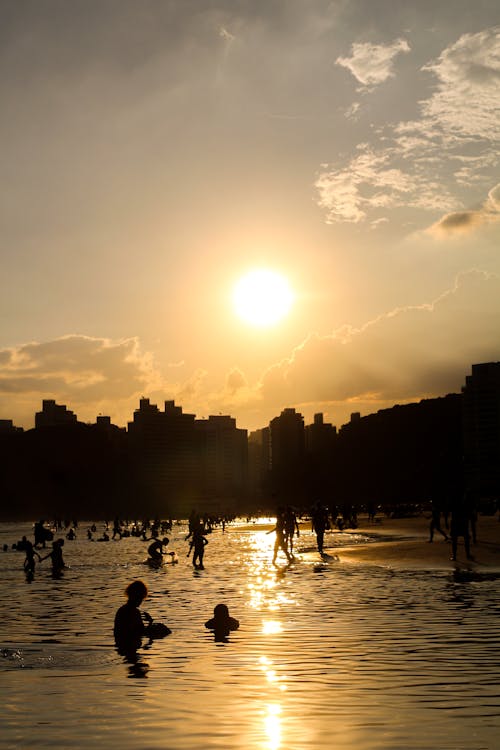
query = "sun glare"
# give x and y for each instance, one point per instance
(262, 298)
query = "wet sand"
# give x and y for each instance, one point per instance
(403, 543)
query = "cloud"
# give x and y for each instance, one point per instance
(372, 64)
(370, 181)
(88, 373)
(414, 163)
(403, 355)
(467, 95)
(460, 222)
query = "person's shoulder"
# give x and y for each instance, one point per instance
(210, 624)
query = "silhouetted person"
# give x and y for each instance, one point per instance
(221, 623)
(435, 524)
(42, 534)
(56, 557)
(155, 549)
(319, 523)
(280, 543)
(291, 527)
(198, 544)
(116, 529)
(459, 527)
(29, 563)
(129, 627)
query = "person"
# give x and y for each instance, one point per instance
(291, 526)
(56, 557)
(198, 544)
(155, 550)
(221, 623)
(280, 543)
(459, 527)
(435, 524)
(29, 563)
(319, 524)
(42, 534)
(129, 627)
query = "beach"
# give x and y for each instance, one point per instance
(403, 543)
(381, 643)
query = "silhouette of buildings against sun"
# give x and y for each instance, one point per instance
(166, 462)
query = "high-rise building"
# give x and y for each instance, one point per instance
(166, 455)
(53, 415)
(287, 451)
(481, 430)
(224, 467)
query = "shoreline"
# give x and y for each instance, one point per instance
(403, 543)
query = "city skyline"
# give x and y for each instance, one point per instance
(156, 153)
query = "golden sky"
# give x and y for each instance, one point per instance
(153, 153)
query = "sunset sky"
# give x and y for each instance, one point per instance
(154, 152)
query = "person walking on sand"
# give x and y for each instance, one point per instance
(459, 527)
(435, 524)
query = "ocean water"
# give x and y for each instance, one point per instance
(328, 655)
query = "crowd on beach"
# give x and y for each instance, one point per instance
(458, 523)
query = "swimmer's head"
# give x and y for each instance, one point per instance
(136, 591)
(165, 541)
(221, 612)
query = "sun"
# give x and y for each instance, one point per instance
(262, 297)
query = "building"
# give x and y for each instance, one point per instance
(224, 462)
(53, 415)
(287, 453)
(165, 451)
(481, 431)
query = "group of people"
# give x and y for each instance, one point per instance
(131, 625)
(55, 555)
(463, 524)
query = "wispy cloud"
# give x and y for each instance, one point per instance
(405, 354)
(372, 64)
(427, 163)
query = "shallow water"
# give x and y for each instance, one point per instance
(328, 655)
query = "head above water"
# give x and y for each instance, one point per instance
(136, 592)
(221, 612)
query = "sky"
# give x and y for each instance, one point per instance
(154, 151)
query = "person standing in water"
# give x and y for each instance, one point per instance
(319, 524)
(198, 544)
(29, 562)
(56, 557)
(281, 542)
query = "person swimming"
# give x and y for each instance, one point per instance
(222, 623)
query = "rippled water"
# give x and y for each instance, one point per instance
(328, 655)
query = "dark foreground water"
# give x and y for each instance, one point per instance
(328, 655)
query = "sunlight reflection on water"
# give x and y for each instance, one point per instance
(327, 655)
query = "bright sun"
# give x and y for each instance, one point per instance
(262, 297)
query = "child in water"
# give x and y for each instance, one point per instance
(129, 627)
(221, 623)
